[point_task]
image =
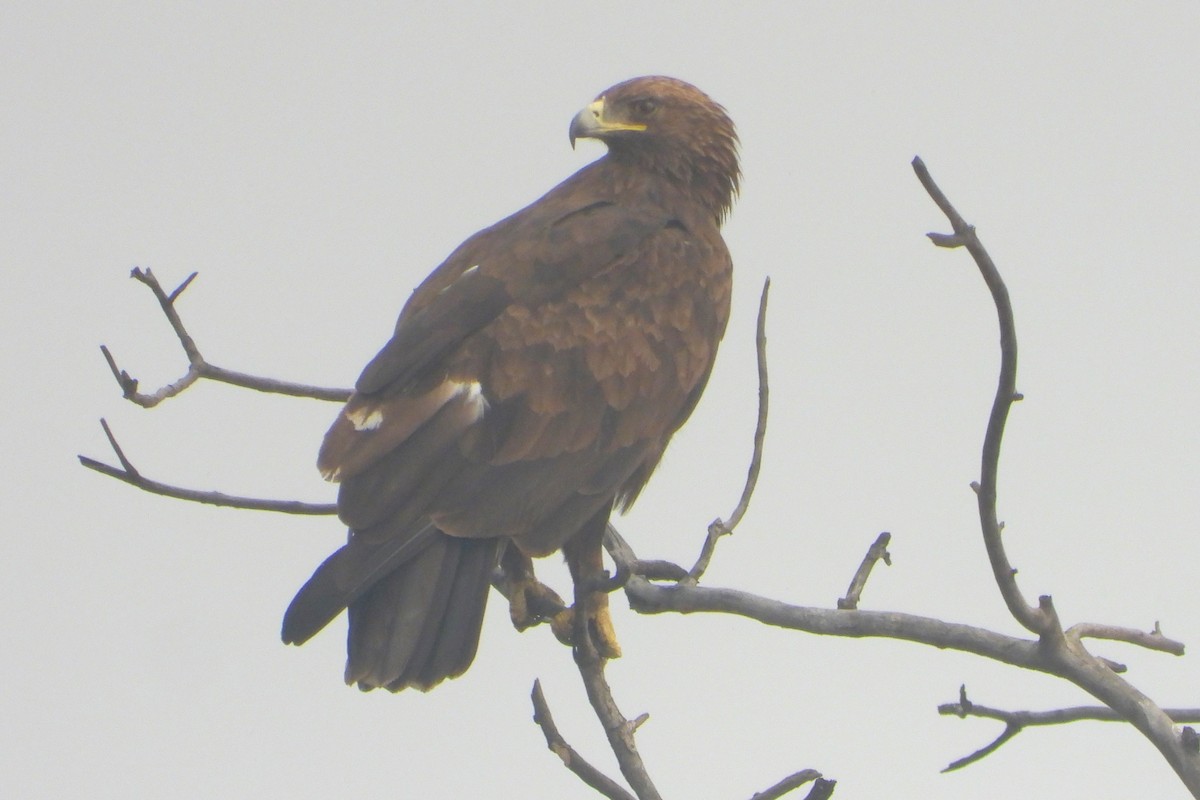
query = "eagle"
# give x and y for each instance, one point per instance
(529, 390)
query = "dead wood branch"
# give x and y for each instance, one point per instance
(1151, 640)
(198, 367)
(1016, 721)
(128, 473)
(1063, 654)
(618, 728)
(718, 527)
(569, 755)
(1006, 394)
(875, 553)
(822, 788)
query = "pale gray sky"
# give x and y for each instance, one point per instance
(314, 162)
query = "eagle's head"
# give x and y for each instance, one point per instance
(667, 126)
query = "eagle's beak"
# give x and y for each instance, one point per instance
(591, 124)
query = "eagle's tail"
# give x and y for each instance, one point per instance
(415, 603)
(420, 624)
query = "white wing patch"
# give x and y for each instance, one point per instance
(369, 428)
(367, 418)
(464, 274)
(472, 394)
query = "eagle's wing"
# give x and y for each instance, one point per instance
(522, 262)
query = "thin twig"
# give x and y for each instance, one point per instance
(1009, 732)
(1151, 640)
(718, 527)
(788, 784)
(569, 755)
(1006, 392)
(129, 474)
(181, 287)
(1059, 716)
(198, 367)
(120, 453)
(876, 552)
(822, 789)
(1016, 721)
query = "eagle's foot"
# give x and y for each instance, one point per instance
(531, 602)
(600, 631)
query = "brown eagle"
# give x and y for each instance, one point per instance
(530, 387)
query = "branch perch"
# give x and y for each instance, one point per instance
(198, 367)
(618, 728)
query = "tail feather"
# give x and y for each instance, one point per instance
(345, 576)
(420, 624)
(459, 628)
(394, 624)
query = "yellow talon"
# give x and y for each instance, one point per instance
(600, 629)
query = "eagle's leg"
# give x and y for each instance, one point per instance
(585, 558)
(530, 602)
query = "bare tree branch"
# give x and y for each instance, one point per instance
(198, 367)
(129, 474)
(1151, 640)
(1064, 655)
(1006, 393)
(1016, 721)
(718, 527)
(822, 789)
(876, 552)
(617, 727)
(569, 755)
(793, 782)
(1009, 732)
(1057, 716)
(649, 598)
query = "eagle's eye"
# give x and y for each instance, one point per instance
(645, 107)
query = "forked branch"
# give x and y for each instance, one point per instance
(571, 758)
(198, 367)
(1017, 721)
(128, 473)
(1062, 651)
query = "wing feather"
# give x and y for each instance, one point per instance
(523, 257)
